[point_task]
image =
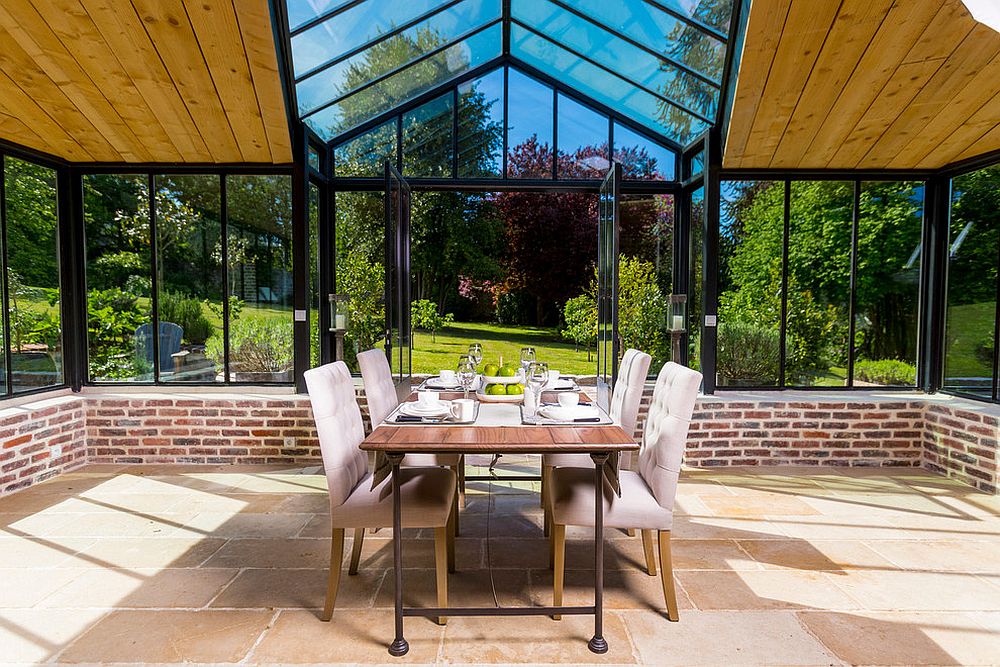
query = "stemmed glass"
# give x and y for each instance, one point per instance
(527, 357)
(537, 375)
(476, 354)
(466, 375)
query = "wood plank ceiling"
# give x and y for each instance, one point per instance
(187, 81)
(864, 84)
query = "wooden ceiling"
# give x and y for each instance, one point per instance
(864, 84)
(142, 81)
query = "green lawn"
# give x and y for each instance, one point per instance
(967, 326)
(496, 339)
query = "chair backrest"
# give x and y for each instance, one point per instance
(379, 387)
(666, 430)
(170, 343)
(627, 395)
(338, 423)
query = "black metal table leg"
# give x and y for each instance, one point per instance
(399, 645)
(597, 643)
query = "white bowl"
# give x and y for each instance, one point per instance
(496, 379)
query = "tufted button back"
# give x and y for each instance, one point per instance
(627, 395)
(340, 428)
(666, 431)
(379, 387)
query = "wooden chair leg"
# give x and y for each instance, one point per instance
(630, 532)
(647, 548)
(441, 565)
(667, 575)
(547, 511)
(333, 580)
(545, 473)
(559, 566)
(454, 501)
(461, 481)
(359, 541)
(451, 542)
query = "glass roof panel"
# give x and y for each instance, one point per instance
(301, 12)
(403, 86)
(348, 74)
(353, 28)
(604, 87)
(365, 154)
(624, 58)
(641, 158)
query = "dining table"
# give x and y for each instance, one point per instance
(499, 428)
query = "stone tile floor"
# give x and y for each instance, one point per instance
(783, 566)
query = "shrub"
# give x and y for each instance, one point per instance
(186, 313)
(984, 350)
(112, 318)
(748, 353)
(424, 315)
(885, 372)
(580, 314)
(256, 345)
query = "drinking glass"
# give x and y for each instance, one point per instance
(527, 356)
(537, 375)
(466, 375)
(463, 358)
(476, 354)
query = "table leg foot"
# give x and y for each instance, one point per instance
(400, 647)
(598, 644)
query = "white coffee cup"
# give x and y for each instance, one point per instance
(553, 378)
(463, 409)
(448, 376)
(428, 397)
(569, 399)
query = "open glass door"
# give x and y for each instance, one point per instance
(608, 224)
(398, 338)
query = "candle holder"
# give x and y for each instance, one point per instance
(677, 324)
(340, 319)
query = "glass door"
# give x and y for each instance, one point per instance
(608, 225)
(398, 336)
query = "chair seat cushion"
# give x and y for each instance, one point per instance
(568, 461)
(431, 460)
(426, 496)
(572, 494)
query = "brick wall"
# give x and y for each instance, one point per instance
(951, 436)
(41, 439)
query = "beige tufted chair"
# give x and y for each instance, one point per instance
(382, 400)
(426, 494)
(647, 498)
(624, 410)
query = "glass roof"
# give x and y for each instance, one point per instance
(658, 63)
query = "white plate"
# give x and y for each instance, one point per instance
(495, 379)
(560, 413)
(438, 382)
(499, 398)
(418, 409)
(560, 385)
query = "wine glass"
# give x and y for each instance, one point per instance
(476, 354)
(537, 375)
(466, 375)
(527, 357)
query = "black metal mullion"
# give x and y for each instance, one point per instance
(224, 242)
(300, 259)
(710, 258)
(615, 74)
(783, 325)
(853, 297)
(625, 38)
(505, 15)
(154, 264)
(7, 352)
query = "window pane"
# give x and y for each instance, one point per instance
(314, 159)
(697, 164)
(972, 282)
(529, 127)
(646, 274)
(301, 12)
(583, 141)
(480, 127)
(641, 158)
(119, 270)
(353, 28)
(819, 282)
(887, 284)
(603, 87)
(694, 294)
(33, 275)
(713, 13)
(360, 235)
(189, 278)
(622, 57)
(407, 84)
(427, 138)
(366, 155)
(751, 238)
(315, 296)
(260, 278)
(394, 52)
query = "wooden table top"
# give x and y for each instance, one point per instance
(472, 438)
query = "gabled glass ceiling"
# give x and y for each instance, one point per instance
(659, 63)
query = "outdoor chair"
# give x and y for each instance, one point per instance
(625, 400)
(382, 400)
(426, 494)
(170, 336)
(647, 496)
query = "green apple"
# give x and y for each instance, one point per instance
(514, 390)
(495, 389)
(491, 370)
(508, 372)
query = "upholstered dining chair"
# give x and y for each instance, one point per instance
(426, 494)
(647, 496)
(382, 400)
(624, 411)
